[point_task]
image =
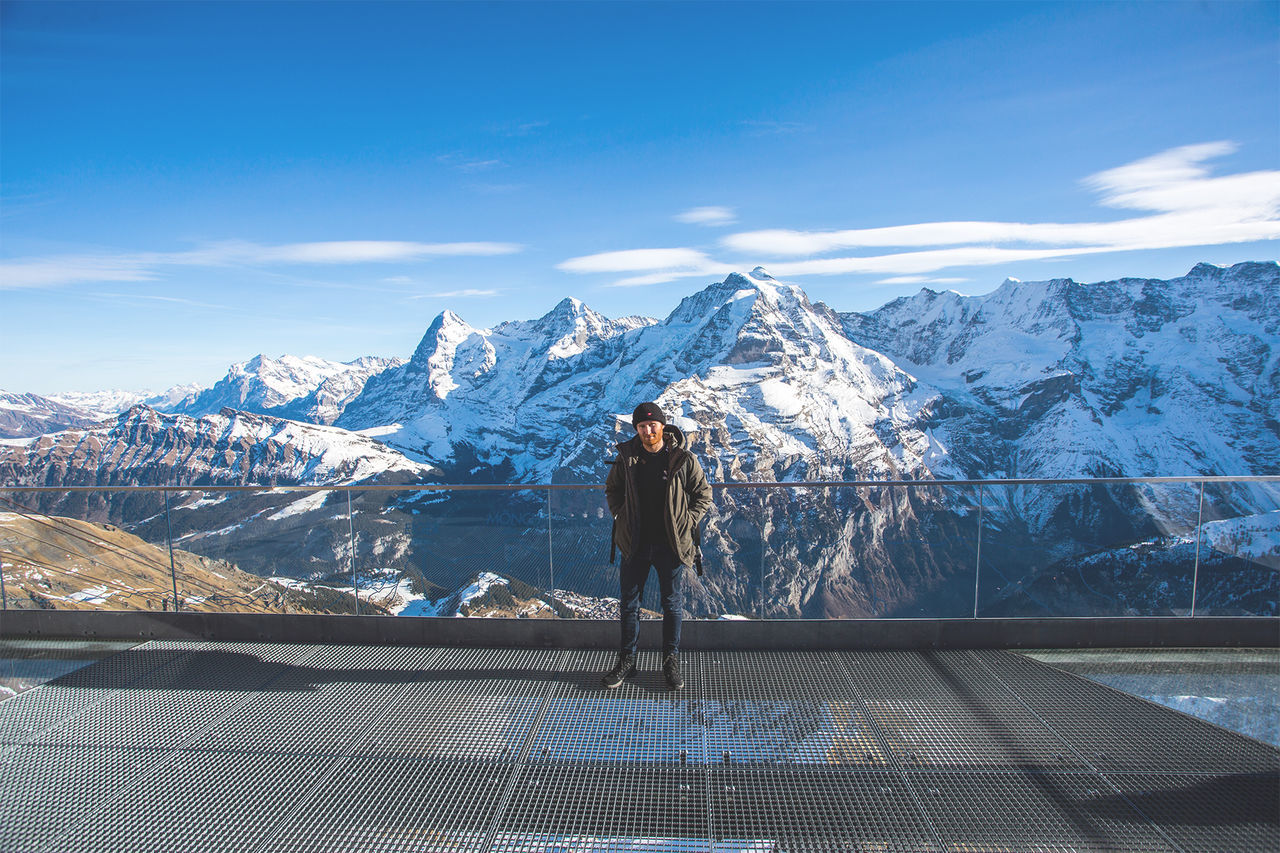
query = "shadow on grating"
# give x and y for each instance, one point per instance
(46, 791)
(469, 704)
(1114, 731)
(33, 712)
(198, 801)
(944, 710)
(1031, 811)
(1209, 812)
(254, 747)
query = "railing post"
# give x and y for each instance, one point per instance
(977, 559)
(1195, 575)
(760, 526)
(551, 556)
(351, 551)
(173, 569)
(4, 597)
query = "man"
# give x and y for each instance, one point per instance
(657, 494)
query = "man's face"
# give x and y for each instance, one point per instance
(650, 433)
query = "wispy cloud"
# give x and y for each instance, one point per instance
(767, 127)
(709, 216)
(527, 127)
(454, 294)
(518, 128)
(1186, 206)
(151, 297)
(490, 188)
(920, 279)
(1189, 207)
(636, 259)
(467, 164)
(661, 265)
(144, 266)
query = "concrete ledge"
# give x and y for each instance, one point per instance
(799, 634)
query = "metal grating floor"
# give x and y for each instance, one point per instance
(175, 746)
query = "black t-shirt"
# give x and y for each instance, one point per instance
(651, 487)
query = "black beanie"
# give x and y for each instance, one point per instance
(647, 412)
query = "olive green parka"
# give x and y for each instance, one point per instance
(688, 496)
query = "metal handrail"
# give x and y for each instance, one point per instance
(771, 484)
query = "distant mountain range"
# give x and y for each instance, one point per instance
(1034, 380)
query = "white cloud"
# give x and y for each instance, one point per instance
(1188, 207)
(367, 251)
(658, 265)
(663, 277)
(480, 165)
(49, 272)
(454, 294)
(924, 262)
(1177, 168)
(143, 266)
(771, 128)
(465, 164)
(708, 216)
(632, 260)
(148, 297)
(920, 279)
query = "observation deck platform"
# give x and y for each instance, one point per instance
(199, 745)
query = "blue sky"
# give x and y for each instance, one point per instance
(188, 184)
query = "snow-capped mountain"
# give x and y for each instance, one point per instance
(514, 394)
(765, 382)
(1047, 379)
(23, 415)
(105, 405)
(27, 415)
(305, 388)
(1136, 377)
(146, 447)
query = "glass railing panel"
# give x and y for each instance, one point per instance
(475, 552)
(258, 550)
(801, 551)
(586, 569)
(583, 580)
(917, 547)
(1087, 549)
(64, 550)
(739, 578)
(1238, 572)
(773, 551)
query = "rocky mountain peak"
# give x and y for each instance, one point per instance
(446, 329)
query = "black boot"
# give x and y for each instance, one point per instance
(623, 669)
(671, 672)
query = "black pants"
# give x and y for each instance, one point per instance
(632, 574)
